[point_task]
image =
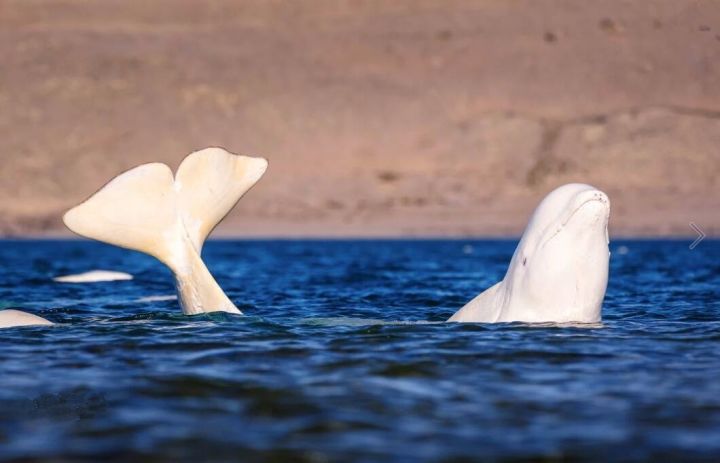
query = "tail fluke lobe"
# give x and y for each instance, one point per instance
(136, 210)
(209, 183)
(147, 210)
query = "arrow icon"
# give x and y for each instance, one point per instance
(701, 235)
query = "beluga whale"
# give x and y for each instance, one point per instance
(10, 318)
(147, 209)
(559, 271)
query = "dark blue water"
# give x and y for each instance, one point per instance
(319, 371)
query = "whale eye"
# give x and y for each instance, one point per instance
(524, 261)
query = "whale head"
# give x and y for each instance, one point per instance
(559, 271)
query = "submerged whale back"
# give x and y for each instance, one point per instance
(147, 210)
(11, 317)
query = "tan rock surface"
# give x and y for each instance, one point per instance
(378, 118)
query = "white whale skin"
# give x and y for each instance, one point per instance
(94, 276)
(10, 318)
(559, 271)
(147, 209)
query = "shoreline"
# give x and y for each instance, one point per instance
(278, 237)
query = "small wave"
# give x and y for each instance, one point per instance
(351, 321)
(94, 276)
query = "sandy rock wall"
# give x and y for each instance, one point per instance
(378, 118)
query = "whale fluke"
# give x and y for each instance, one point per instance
(10, 318)
(147, 210)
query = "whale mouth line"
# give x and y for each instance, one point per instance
(572, 214)
(583, 204)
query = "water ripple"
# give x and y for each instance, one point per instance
(343, 355)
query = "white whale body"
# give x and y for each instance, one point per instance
(10, 318)
(158, 298)
(148, 210)
(94, 276)
(559, 271)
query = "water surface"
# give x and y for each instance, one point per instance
(319, 369)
